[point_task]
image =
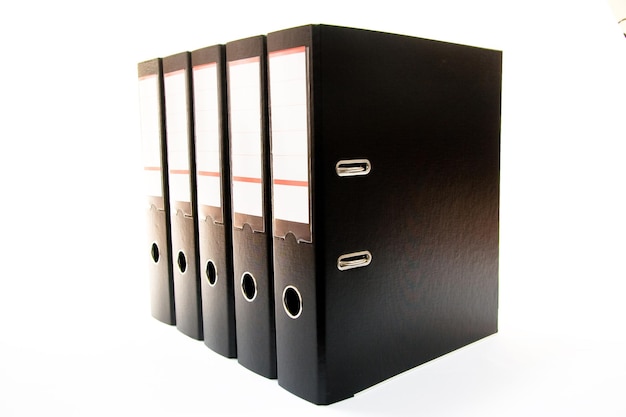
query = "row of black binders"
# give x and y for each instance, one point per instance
(324, 201)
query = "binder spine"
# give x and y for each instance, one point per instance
(298, 261)
(251, 205)
(214, 205)
(154, 148)
(183, 199)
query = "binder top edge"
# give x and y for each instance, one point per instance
(179, 61)
(177, 56)
(322, 27)
(208, 54)
(250, 39)
(216, 47)
(152, 61)
(246, 48)
(149, 67)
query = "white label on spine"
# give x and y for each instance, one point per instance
(289, 125)
(177, 140)
(207, 129)
(244, 83)
(151, 134)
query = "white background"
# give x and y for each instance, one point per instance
(76, 336)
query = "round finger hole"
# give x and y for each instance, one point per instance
(182, 262)
(211, 273)
(292, 302)
(154, 252)
(248, 286)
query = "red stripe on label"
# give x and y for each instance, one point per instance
(208, 174)
(290, 51)
(292, 183)
(145, 77)
(245, 61)
(179, 171)
(151, 168)
(169, 74)
(247, 179)
(202, 66)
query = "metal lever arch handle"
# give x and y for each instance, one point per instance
(353, 167)
(354, 260)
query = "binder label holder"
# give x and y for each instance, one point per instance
(289, 96)
(150, 132)
(207, 125)
(246, 151)
(178, 149)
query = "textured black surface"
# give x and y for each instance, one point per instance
(256, 340)
(252, 251)
(184, 224)
(158, 217)
(186, 284)
(427, 116)
(160, 271)
(214, 233)
(218, 306)
(298, 345)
